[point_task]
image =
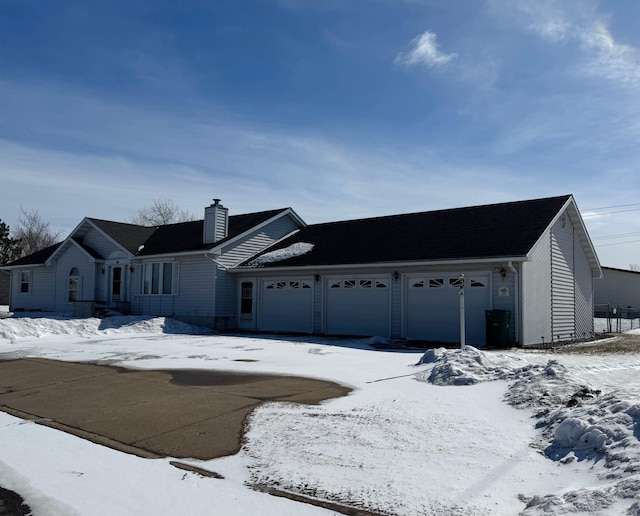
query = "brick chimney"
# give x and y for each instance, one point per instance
(216, 219)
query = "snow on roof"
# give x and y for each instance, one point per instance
(297, 249)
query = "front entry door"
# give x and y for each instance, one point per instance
(116, 285)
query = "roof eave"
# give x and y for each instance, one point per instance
(383, 265)
(23, 266)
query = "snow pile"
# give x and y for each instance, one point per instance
(463, 366)
(278, 255)
(599, 430)
(576, 423)
(17, 328)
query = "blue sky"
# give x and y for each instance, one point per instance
(337, 108)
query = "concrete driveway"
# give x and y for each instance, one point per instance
(198, 414)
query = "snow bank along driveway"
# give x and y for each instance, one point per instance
(445, 432)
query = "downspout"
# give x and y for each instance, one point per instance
(516, 284)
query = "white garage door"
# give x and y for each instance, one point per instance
(357, 306)
(433, 308)
(287, 305)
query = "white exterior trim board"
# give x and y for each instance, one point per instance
(385, 265)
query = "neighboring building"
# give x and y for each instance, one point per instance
(396, 276)
(5, 282)
(618, 289)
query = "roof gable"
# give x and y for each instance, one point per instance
(129, 236)
(188, 236)
(479, 232)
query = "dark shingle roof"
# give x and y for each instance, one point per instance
(129, 236)
(497, 230)
(169, 239)
(187, 236)
(176, 238)
(90, 250)
(36, 258)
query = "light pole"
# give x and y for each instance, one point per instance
(462, 325)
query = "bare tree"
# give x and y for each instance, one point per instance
(161, 211)
(634, 267)
(33, 233)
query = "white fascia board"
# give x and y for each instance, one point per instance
(383, 265)
(585, 239)
(579, 226)
(296, 217)
(25, 266)
(217, 249)
(169, 256)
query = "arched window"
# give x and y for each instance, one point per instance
(73, 285)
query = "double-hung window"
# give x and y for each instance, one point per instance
(73, 285)
(25, 282)
(159, 278)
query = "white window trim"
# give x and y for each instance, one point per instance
(28, 282)
(79, 278)
(146, 271)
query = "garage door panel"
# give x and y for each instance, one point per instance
(358, 306)
(433, 308)
(287, 305)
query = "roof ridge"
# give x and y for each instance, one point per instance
(443, 210)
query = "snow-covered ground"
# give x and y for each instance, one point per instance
(459, 432)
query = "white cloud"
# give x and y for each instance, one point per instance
(424, 50)
(609, 58)
(579, 22)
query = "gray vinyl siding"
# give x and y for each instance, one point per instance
(504, 296)
(98, 242)
(562, 280)
(226, 296)
(196, 282)
(41, 296)
(536, 294)
(239, 251)
(317, 307)
(195, 290)
(396, 308)
(69, 258)
(584, 293)
(257, 241)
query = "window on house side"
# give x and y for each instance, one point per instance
(159, 278)
(73, 286)
(25, 282)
